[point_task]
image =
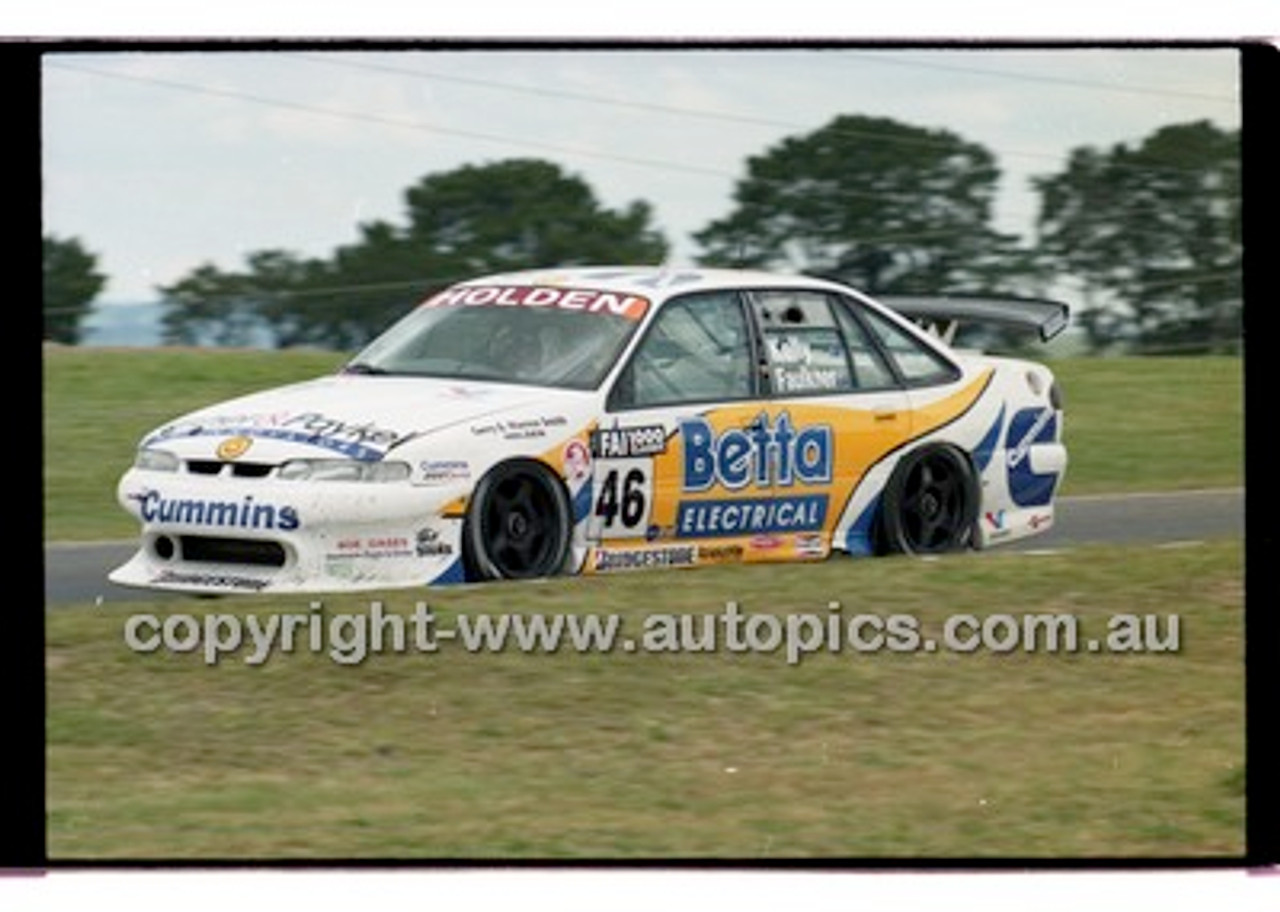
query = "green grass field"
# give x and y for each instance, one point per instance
(98, 403)
(1132, 424)
(712, 755)
(698, 755)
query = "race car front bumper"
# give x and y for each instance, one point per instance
(229, 535)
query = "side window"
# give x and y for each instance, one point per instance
(697, 350)
(802, 342)
(919, 364)
(870, 371)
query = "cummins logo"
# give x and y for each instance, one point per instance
(242, 514)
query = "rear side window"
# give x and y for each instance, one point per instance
(802, 342)
(918, 364)
(870, 370)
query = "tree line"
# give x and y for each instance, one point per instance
(1146, 234)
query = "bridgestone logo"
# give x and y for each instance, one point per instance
(650, 557)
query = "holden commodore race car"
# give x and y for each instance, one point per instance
(590, 420)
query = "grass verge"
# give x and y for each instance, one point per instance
(1153, 424)
(705, 755)
(98, 403)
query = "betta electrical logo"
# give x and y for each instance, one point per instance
(761, 453)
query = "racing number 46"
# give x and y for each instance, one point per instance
(625, 501)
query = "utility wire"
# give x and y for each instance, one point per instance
(1050, 80)
(723, 116)
(395, 122)
(507, 139)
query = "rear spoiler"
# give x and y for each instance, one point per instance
(944, 314)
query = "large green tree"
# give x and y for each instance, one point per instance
(71, 282)
(235, 308)
(525, 213)
(512, 214)
(884, 205)
(1153, 232)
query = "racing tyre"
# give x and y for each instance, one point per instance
(518, 524)
(930, 503)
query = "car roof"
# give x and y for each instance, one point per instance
(653, 282)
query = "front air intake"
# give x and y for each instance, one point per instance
(244, 551)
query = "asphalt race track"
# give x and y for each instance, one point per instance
(75, 573)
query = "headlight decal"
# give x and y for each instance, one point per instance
(153, 460)
(343, 470)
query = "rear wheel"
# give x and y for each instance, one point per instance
(930, 503)
(518, 523)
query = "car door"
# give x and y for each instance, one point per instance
(835, 410)
(659, 459)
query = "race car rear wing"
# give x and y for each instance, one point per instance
(943, 314)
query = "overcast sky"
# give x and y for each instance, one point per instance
(159, 162)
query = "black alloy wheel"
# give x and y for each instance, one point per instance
(518, 523)
(930, 503)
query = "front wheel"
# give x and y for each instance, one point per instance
(518, 523)
(930, 503)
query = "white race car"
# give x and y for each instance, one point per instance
(589, 420)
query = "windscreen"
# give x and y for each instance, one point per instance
(540, 335)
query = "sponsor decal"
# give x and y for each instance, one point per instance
(245, 513)
(377, 547)
(751, 516)
(810, 544)
(443, 471)
(336, 567)
(586, 300)
(367, 434)
(388, 545)
(626, 442)
(765, 543)
(520, 428)
(1028, 435)
(1027, 427)
(374, 546)
(643, 558)
(577, 461)
(217, 580)
(996, 520)
(465, 392)
(762, 454)
(1040, 520)
(428, 544)
(719, 554)
(233, 447)
(663, 277)
(364, 441)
